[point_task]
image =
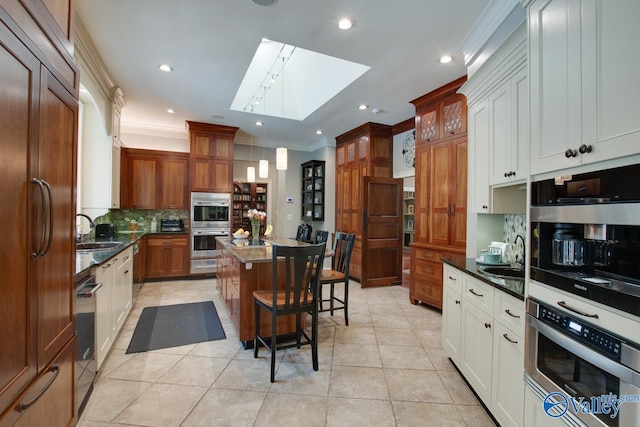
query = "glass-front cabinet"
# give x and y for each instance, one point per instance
(313, 173)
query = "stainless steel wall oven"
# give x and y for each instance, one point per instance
(210, 218)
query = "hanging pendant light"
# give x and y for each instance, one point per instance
(263, 165)
(281, 152)
(251, 171)
(263, 169)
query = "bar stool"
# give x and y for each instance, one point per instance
(339, 273)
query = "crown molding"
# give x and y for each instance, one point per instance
(89, 60)
(154, 130)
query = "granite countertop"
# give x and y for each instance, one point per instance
(248, 252)
(469, 266)
(86, 260)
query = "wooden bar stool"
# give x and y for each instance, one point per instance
(339, 273)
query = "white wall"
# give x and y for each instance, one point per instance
(400, 169)
(156, 142)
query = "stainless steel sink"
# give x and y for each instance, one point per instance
(504, 272)
(96, 246)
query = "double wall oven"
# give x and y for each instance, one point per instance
(583, 312)
(210, 218)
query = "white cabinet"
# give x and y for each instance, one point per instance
(114, 300)
(482, 332)
(583, 98)
(478, 128)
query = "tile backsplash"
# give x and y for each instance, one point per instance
(514, 225)
(142, 216)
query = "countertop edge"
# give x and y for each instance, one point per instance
(468, 266)
(86, 260)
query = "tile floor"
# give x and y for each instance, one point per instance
(387, 368)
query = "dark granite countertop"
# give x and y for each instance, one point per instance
(469, 266)
(86, 260)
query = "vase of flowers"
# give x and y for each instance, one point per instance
(256, 217)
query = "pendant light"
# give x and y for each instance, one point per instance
(281, 152)
(251, 171)
(263, 165)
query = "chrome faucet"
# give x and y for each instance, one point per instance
(79, 229)
(524, 249)
(91, 223)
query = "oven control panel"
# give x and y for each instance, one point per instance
(584, 332)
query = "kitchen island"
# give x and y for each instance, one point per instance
(245, 265)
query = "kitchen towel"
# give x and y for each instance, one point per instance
(176, 325)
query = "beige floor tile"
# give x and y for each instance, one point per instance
(225, 349)
(475, 416)
(162, 405)
(180, 350)
(226, 408)
(457, 388)
(430, 338)
(85, 423)
(111, 397)
(356, 355)
(361, 320)
(115, 359)
(413, 385)
(384, 308)
(414, 414)
(197, 371)
(359, 412)
(292, 410)
(300, 378)
(393, 321)
(250, 374)
(404, 357)
(390, 336)
(355, 335)
(358, 382)
(439, 358)
(425, 322)
(303, 355)
(145, 367)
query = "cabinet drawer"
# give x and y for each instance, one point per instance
(428, 254)
(452, 277)
(428, 270)
(167, 241)
(427, 290)
(509, 311)
(479, 293)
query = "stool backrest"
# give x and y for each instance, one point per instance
(321, 236)
(342, 248)
(304, 233)
(296, 274)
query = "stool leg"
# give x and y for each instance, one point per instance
(256, 342)
(346, 302)
(274, 322)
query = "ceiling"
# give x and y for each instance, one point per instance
(210, 44)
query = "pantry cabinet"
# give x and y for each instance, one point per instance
(38, 117)
(583, 104)
(482, 332)
(211, 157)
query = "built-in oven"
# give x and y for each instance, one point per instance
(203, 249)
(211, 210)
(586, 371)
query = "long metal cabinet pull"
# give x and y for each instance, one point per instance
(24, 406)
(575, 310)
(48, 187)
(43, 227)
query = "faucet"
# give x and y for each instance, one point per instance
(524, 249)
(79, 229)
(91, 223)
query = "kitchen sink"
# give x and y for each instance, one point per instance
(96, 246)
(504, 272)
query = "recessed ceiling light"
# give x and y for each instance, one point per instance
(362, 107)
(258, 123)
(346, 23)
(318, 132)
(445, 59)
(165, 67)
(170, 110)
(265, 2)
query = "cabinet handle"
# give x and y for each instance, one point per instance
(43, 231)
(487, 325)
(575, 310)
(485, 207)
(457, 301)
(452, 278)
(585, 149)
(23, 406)
(476, 294)
(48, 187)
(507, 174)
(511, 314)
(126, 272)
(506, 337)
(570, 153)
(126, 258)
(106, 266)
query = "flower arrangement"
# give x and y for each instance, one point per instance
(256, 217)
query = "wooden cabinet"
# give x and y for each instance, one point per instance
(211, 157)
(364, 151)
(583, 104)
(38, 115)
(482, 332)
(154, 179)
(440, 218)
(114, 300)
(313, 174)
(167, 256)
(247, 196)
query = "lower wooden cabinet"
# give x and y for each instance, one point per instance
(426, 275)
(482, 332)
(167, 256)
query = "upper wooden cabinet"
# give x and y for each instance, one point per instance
(584, 106)
(211, 157)
(441, 114)
(154, 179)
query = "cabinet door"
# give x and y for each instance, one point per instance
(451, 323)
(104, 318)
(421, 214)
(428, 123)
(155, 258)
(176, 259)
(222, 176)
(507, 400)
(458, 188)
(142, 182)
(19, 89)
(201, 175)
(223, 148)
(201, 144)
(501, 123)
(609, 100)
(479, 157)
(520, 129)
(441, 168)
(57, 166)
(454, 116)
(555, 73)
(477, 347)
(174, 183)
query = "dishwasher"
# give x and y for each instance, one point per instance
(86, 366)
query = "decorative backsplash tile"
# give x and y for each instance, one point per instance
(514, 225)
(142, 216)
